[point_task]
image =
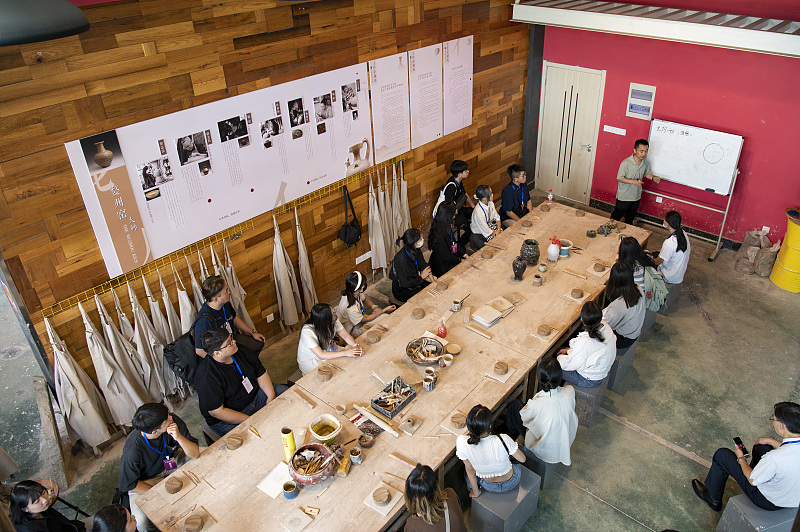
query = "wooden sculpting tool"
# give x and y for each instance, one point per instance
(601, 261)
(348, 443)
(576, 274)
(303, 397)
(378, 421)
(184, 514)
(209, 513)
(495, 246)
(326, 489)
(209, 484)
(395, 476)
(477, 331)
(403, 459)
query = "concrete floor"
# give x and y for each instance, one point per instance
(709, 371)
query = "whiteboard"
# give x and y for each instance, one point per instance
(693, 156)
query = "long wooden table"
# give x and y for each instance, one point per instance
(228, 478)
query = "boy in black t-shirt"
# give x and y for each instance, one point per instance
(159, 442)
(231, 384)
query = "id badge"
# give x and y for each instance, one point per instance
(170, 464)
(453, 248)
(228, 327)
(247, 386)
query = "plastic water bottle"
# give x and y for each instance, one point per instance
(550, 197)
(553, 249)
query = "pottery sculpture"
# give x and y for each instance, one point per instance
(529, 251)
(519, 266)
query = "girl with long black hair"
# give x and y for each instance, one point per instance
(31, 509)
(317, 339)
(446, 251)
(409, 272)
(632, 255)
(352, 309)
(486, 457)
(673, 258)
(432, 509)
(626, 311)
(589, 357)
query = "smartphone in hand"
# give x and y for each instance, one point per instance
(738, 442)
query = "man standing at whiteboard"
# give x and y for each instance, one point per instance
(632, 172)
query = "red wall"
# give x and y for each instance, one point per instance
(749, 94)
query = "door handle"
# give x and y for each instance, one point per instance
(588, 147)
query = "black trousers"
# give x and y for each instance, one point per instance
(627, 209)
(404, 294)
(463, 223)
(725, 464)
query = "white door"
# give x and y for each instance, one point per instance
(569, 119)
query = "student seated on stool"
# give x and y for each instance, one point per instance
(548, 420)
(158, 444)
(626, 311)
(487, 458)
(352, 309)
(113, 518)
(432, 509)
(516, 199)
(31, 509)
(772, 478)
(485, 221)
(591, 354)
(231, 385)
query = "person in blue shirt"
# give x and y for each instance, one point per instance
(515, 196)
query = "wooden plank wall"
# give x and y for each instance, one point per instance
(146, 58)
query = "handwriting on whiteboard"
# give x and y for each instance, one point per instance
(673, 131)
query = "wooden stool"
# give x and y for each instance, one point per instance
(622, 364)
(544, 469)
(209, 434)
(741, 515)
(588, 401)
(508, 511)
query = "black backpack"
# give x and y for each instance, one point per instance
(350, 233)
(180, 354)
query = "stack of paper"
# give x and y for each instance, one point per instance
(487, 316)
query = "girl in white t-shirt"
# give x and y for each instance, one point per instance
(485, 220)
(352, 309)
(673, 258)
(317, 342)
(590, 355)
(487, 458)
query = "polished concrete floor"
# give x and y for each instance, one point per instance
(710, 370)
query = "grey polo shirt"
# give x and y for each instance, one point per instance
(630, 170)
